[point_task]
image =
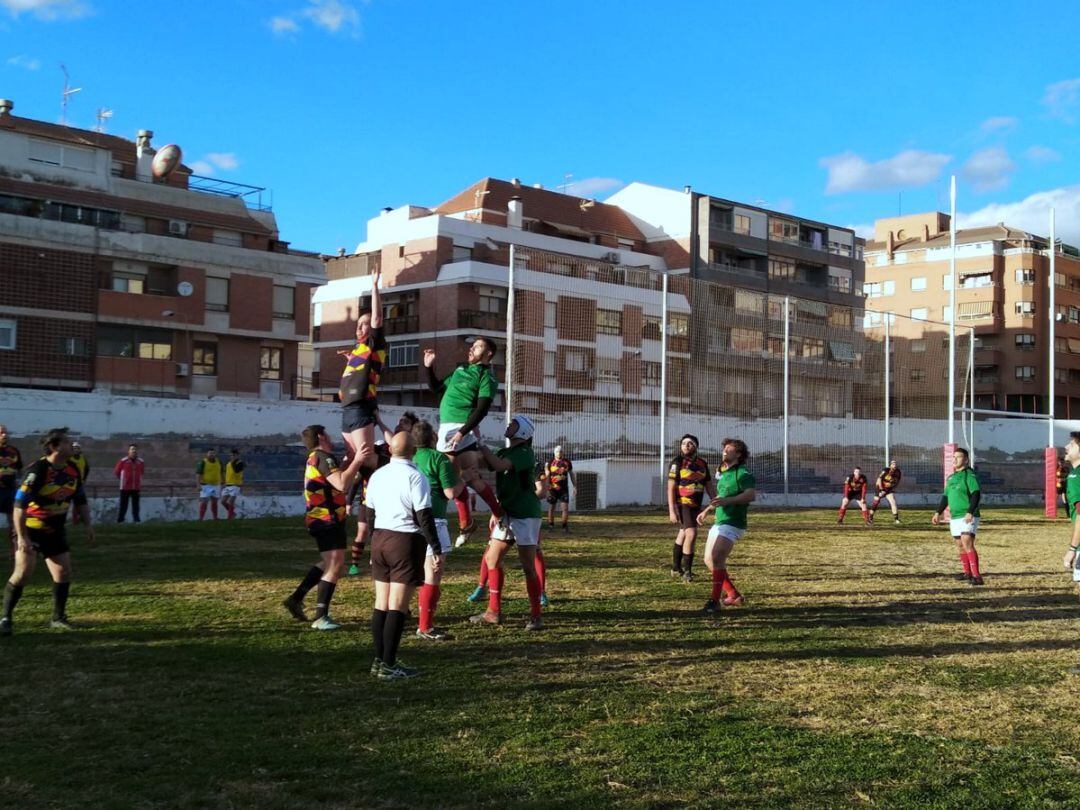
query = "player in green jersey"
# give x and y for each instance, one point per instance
(1072, 500)
(962, 495)
(735, 491)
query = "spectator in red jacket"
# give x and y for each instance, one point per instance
(130, 471)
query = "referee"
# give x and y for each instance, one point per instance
(398, 507)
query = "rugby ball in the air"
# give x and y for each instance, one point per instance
(166, 159)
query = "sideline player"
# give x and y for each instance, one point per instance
(1063, 470)
(10, 467)
(887, 482)
(234, 479)
(515, 479)
(50, 485)
(735, 491)
(83, 465)
(688, 482)
(962, 496)
(208, 478)
(129, 471)
(1072, 499)
(465, 398)
(359, 388)
(325, 486)
(445, 485)
(559, 472)
(854, 490)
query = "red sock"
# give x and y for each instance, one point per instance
(495, 583)
(865, 516)
(231, 510)
(730, 591)
(464, 514)
(483, 572)
(202, 509)
(427, 607)
(532, 585)
(965, 560)
(843, 511)
(484, 491)
(717, 583)
(541, 570)
(973, 558)
(213, 509)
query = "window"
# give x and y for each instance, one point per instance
(918, 374)
(946, 282)
(812, 348)
(974, 310)
(492, 302)
(229, 238)
(404, 355)
(971, 281)
(549, 364)
(840, 316)
(878, 289)
(161, 279)
(1026, 308)
(550, 310)
(128, 283)
(607, 370)
(783, 230)
(918, 284)
(679, 326)
(143, 343)
(56, 154)
(747, 341)
(608, 322)
(742, 224)
(1025, 275)
(1026, 373)
(574, 360)
(284, 302)
(650, 373)
(1025, 340)
(746, 301)
(650, 328)
(217, 294)
(946, 314)
(7, 333)
(74, 347)
(871, 319)
(920, 313)
(780, 268)
(204, 359)
(1061, 375)
(462, 253)
(918, 345)
(269, 363)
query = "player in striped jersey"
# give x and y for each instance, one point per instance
(887, 482)
(688, 483)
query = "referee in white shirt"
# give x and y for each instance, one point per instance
(398, 506)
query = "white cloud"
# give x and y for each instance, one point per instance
(47, 9)
(989, 169)
(908, 169)
(284, 25)
(25, 62)
(1033, 214)
(998, 123)
(593, 186)
(333, 15)
(201, 167)
(1042, 154)
(209, 163)
(1061, 98)
(865, 230)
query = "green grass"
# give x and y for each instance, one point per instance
(858, 674)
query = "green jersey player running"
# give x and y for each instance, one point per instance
(465, 398)
(1072, 501)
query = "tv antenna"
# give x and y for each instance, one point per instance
(103, 115)
(566, 182)
(65, 94)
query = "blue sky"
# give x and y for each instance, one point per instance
(840, 111)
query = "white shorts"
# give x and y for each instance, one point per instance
(526, 531)
(444, 537)
(448, 429)
(957, 526)
(731, 533)
(209, 491)
(230, 491)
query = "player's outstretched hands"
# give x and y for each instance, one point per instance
(936, 519)
(429, 358)
(1070, 558)
(703, 515)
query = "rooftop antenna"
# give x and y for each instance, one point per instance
(103, 114)
(68, 91)
(566, 182)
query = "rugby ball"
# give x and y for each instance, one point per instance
(166, 159)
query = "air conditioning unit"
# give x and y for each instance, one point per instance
(182, 369)
(177, 227)
(613, 257)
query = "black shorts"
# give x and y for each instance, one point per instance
(329, 538)
(356, 416)
(7, 500)
(687, 514)
(558, 496)
(854, 496)
(398, 557)
(48, 544)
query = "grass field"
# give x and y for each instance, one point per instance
(859, 674)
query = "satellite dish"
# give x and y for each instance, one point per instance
(185, 288)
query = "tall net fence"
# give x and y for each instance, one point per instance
(814, 388)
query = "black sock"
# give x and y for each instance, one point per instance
(395, 624)
(378, 627)
(60, 596)
(325, 594)
(310, 580)
(12, 593)
(676, 557)
(688, 563)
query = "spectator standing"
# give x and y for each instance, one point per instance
(130, 470)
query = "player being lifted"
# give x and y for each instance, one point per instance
(887, 482)
(854, 490)
(465, 398)
(359, 388)
(688, 482)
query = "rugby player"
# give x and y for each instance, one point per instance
(962, 496)
(129, 470)
(465, 398)
(80, 461)
(10, 467)
(208, 477)
(854, 490)
(1072, 498)
(514, 467)
(234, 479)
(735, 491)
(559, 472)
(325, 485)
(1063, 470)
(50, 485)
(688, 482)
(359, 388)
(887, 482)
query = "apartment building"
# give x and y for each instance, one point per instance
(1002, 292)
(112, 279)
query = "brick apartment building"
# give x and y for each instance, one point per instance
(113, 280)
(588, 303)
(1002, 291)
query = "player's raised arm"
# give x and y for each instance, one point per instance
(376, 300)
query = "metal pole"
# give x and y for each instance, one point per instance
(971, 416)
(787, 391)
(663, 383)
(952, 305)
(509, 385)
(1051, 348)
(888, 359)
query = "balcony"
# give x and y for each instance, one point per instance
(474, 319)
(402, 325)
